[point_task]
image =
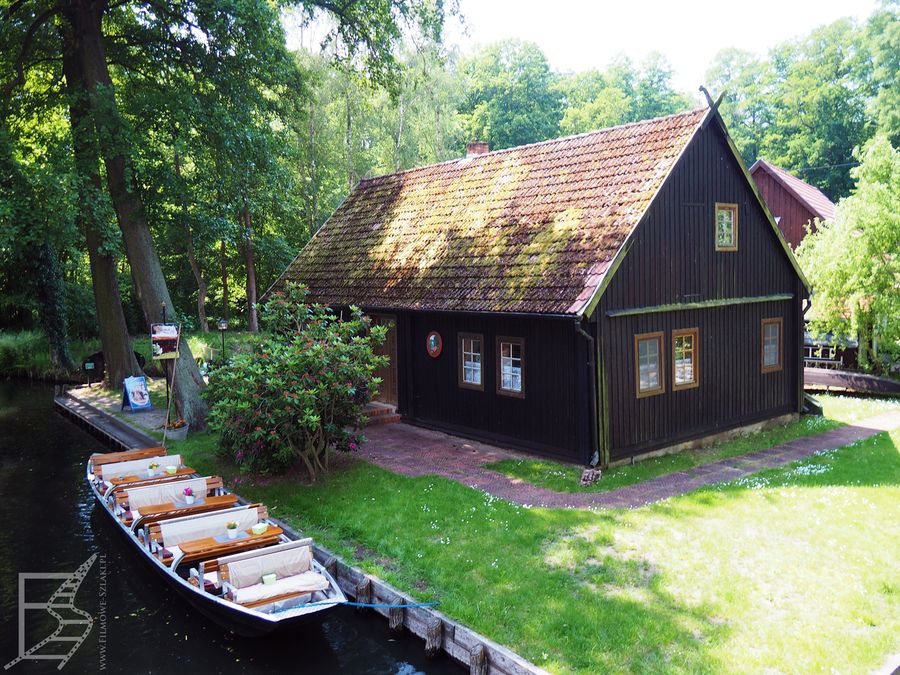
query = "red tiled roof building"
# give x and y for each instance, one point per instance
(794, 203)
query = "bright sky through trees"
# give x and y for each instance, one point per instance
(579, 35)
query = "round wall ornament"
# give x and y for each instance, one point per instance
(434, 344)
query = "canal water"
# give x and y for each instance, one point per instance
(49, 524)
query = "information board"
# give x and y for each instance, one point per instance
(164, 340)
(135, 394)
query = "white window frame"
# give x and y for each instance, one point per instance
(471, 361)
(506, 366)
(659, 338)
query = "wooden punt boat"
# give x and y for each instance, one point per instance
(253, 580)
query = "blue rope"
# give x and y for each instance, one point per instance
(374, 605)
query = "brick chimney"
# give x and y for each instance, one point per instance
(476, 148)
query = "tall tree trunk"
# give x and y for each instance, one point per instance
(313, 196)
(115, 341)
(150, 283)
(250, 265)
(192, 259)
(398, 140)
(226, 312)
(348, 142)
(52, 305)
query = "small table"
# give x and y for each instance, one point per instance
(132, 481)
(208, 547)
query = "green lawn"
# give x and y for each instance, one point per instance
(788, 570)
(26, 353)
(565, 477)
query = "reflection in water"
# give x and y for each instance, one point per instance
(48, 523)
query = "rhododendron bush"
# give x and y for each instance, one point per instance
(299, 396)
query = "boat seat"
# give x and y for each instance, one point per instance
(291, 563)
(100, 460)
(160, 498)
(136, 467)
(167, 535)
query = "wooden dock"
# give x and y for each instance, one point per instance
(441, 633)
(826, 379)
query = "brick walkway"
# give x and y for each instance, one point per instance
(412, 451)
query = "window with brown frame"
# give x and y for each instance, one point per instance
(648, 364)
(772, 354)
(511, 366)
(471, 358)
(685, 358)
(726, 227)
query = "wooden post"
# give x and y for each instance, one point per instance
(364, 592)
(434, 637)
(395, 617)
(330, 566)
(478, 660)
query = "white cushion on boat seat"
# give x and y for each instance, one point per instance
(299, 583)
(285, 563)
(180, 530)
(164, 492)
(139, 466)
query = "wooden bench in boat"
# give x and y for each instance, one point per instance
(149, 480)
(137, 468)
(103, 458)
(166, 500)
(143, 482)
(136, 465)
(291, 563)
(158, 512)
(195, 536)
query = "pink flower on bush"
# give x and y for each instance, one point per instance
(353, 446)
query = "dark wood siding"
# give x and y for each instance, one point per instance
(733, 390)
(673, 260)
(552, 418)
(792, 214)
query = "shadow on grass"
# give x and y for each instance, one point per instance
(553, 585)
(547, 583)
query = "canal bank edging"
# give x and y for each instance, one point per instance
(482, 655)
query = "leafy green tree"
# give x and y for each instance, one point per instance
(28, 227)
(591, 101)
(300, 395)
(654, 95)
(854, 262)
(806, 106)
(510, 95)
(883, 39)
(748, 108)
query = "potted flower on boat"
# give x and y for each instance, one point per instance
(152, 468)
(232, 529)
(177, 430)
(188, 496)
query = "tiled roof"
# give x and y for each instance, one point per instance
(809, 195)
(529, 229)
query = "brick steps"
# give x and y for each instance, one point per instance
(381, 413)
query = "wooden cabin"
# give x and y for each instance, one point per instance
(591, 298)
(794, 204)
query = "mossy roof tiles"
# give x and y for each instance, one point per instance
(529, 229)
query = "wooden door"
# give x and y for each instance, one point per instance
(388, 389)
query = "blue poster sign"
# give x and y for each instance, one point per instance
(135, 393)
